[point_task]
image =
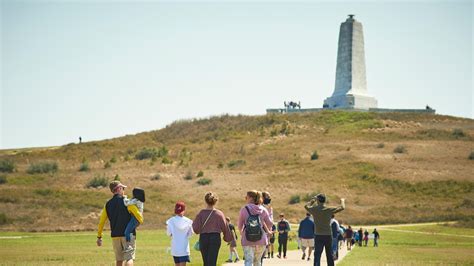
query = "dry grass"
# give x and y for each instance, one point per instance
(430, 182)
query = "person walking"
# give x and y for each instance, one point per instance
(376, 237)
(267, 198)
(209, 224)
(119, 216)
(366, 237)
(348, 235)
(335, 236)
(233, 243)
(283, 228)
(179, 228)
(360, 232)
(322, 216)
(253, 225)
(306, 236)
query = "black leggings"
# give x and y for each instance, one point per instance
(320, 242)
(210, 244)
(282, 242)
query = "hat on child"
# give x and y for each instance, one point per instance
(179, 207)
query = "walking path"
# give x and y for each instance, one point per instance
(293, 258)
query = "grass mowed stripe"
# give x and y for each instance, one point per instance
(437, 244)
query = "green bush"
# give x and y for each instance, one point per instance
(156, 177)
(471, 156)
(107, 165)
(236, 163)
(400, 149)
(380, 145)
(166, 160)
(458, 133)
(220, 165)
(314, 156)
(188, 176)
(147, 153)
(42, 168)
(113, 159)
(3, 179)
(3, 218)
(44, 192)
(117, 177)
(204, 181)
(200, 174)
(295, 199)
(7, 166)
(84, 167)
(98, 181)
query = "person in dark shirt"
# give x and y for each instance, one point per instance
(361, 236)
(348, 235)
(376, 237)
(283, 228)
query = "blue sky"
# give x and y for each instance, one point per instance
(103, 69)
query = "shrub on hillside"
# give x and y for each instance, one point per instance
(156, 177)
(166, 160)
(44, 192)
(147, 153)
(204, 181)
(380, 146)
(295, 199)
(200, 174)
(309, 196)
(107, 165)
(42, 168)
(400, 149)
(188, 176)
(471, 156)
(7, 166)
(113, 159)
(98, 181)
(236, 163)
(3, 179)
(117, 177)
(314, 156)
(3, 218)
(84, 167)
(458, 133)
(220, 165)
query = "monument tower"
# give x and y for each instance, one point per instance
(350, 91)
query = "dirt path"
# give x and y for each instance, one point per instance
(293, 258)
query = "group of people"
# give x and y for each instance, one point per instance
(255, 224)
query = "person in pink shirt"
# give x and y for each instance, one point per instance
(252, 218)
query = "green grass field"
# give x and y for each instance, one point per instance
(79, 248)
(407, 245)
(417, 245)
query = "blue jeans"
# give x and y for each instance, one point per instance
(132, 224)
(335, 244)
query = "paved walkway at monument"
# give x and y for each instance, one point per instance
(294, 259)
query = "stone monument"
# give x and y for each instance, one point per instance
(350, 91)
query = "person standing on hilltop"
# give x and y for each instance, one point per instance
(323, 235)
(119, 216)
(209, 223)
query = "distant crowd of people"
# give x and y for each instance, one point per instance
(317, 231)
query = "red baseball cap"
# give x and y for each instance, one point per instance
(179, 207)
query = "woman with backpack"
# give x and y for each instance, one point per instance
(209, 223)
(254, 224)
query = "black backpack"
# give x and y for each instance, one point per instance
(253, 227)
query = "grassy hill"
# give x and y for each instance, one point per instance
(391, 168)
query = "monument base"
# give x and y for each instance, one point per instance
(349, 101)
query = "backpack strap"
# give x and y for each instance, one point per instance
(248, 210)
